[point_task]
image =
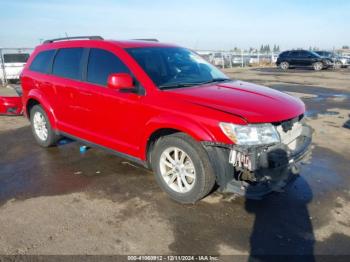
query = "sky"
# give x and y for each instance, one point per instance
(201, 25)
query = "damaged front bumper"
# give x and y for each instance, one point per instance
(11, 106)
(254, 171)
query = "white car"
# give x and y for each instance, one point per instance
(11, 66)
(345, 60)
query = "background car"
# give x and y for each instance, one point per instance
(345, 60)
(337, 60)
(11, 66)
(303, 58)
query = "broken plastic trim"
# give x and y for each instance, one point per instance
(272, 166)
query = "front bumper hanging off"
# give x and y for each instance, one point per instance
(11, 106)
(254, 171)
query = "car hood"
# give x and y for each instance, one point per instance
(254, 103)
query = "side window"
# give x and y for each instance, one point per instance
(293, 54)
(42, 61)
(300, 54)
(101, 64)
(284, 54)
(68, 63)
(304, 54)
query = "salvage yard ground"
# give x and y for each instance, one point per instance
(58, 201)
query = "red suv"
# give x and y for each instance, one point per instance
(166, 108)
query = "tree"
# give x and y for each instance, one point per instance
(345, 47)
(268, 49)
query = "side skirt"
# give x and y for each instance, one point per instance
(111, 151)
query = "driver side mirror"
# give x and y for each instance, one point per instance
(120, 81)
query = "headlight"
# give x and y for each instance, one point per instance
(259, 134)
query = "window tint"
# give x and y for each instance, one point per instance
(68, 63)
(42, 61)
(169, 67)
(16, 58)
(284, 54)
(303, 54)
(293, 53)
(101, 64)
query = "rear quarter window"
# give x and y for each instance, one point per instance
(68, 64)
(42, 61)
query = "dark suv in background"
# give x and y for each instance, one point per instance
(303, 58)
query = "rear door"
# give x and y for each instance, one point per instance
(66, 81)
(305, 58)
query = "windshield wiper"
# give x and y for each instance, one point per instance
(216, 80)
(179, 85)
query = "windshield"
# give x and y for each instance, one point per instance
(171, 67)
(326, 54)
(314, 53)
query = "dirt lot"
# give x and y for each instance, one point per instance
(58, 201)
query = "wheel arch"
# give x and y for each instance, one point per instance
(30, 103)
(36, 98)
(158, 129)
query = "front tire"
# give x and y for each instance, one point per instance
(338, 65)
(182, 168)
(318, 66)
(41, 127)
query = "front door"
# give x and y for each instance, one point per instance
(109, 117)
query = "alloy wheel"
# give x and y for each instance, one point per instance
(177, 170)
(40, 126)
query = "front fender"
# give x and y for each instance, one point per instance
(40, 98)
(182, 124)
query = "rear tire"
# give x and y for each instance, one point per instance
(284, 66)
(187, 180)
(318, 66)
(41, 127)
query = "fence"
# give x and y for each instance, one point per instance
(12, 61)
(238, 59)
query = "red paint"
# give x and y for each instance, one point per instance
(11, 106)
(120, 81)
(124, 121)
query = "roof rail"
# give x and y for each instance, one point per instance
(94, 37)
(147, 39)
